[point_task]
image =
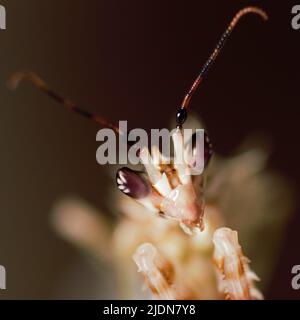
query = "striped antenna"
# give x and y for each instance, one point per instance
(182, 113)
(16, 78)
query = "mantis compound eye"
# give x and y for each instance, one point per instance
(197, 144)
(132, 183)
(208, 149)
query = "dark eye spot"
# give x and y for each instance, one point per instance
(132, 183)
(181, 117)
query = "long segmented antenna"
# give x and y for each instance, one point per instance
(182, 113)
(16, 78)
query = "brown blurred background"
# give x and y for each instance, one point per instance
(130, 60)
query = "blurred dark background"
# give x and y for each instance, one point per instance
(131, 60)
